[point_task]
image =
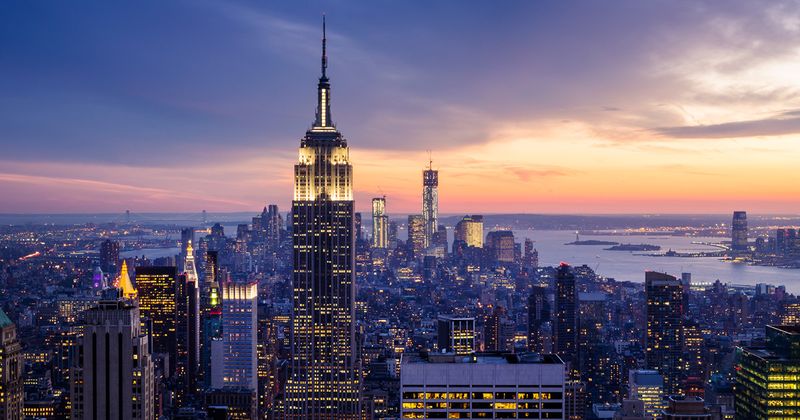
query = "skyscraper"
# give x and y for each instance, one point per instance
(11, 364)
(566, 325)
(416, 234)
(239, 336)
(430, 202)
(380, 223)
(188, 322)
(739, 231)
(500, 246)
(664, 344)
(456, 334)
(647, 386)
(470, 231)
(112, 368)
(157, 289)
(498, 331)
(324, 379)
(109, 256)
(538, 315)
(766, 376)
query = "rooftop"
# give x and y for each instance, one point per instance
(5, 321)
(487, 358)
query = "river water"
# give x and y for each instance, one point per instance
(623, 265)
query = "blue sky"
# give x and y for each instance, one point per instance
(200, 104)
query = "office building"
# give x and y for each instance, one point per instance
(157, 290)
(324, 373)
(430, 203)
(498, 331)
(647, 386)
(530, 259)
(767, 376)
(456, 334)
(469, 230)
(565, 330)
(739, 231)
(681, 407)
(112, 367)
(500, 245)
(538, 318)
(664, 339)
(484, 385)
(236, 403)
(188, 322)
(109, 256)
(238, 356)
(380, 223)
(11, 367)
(416, 234)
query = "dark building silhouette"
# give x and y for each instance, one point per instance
(109, 256)
(664, 340)
(565, 332)
(538, 316)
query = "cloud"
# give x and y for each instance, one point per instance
(525, 174)
(783, 124)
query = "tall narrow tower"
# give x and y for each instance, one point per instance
(380, 223)
(323, 382)
(430, 202)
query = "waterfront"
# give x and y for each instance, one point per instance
(629, 266)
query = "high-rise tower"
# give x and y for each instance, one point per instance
(739, 231)
(380, 223)
(11, 367)
(430, 202)
(565, 335)
(112, 368)
(665, 310)
(323, 382)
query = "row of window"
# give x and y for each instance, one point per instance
(482, 395)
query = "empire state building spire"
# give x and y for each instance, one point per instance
(323, 121)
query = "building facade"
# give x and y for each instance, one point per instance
(739, 231)
(664, 339)
(456, 334)
(157, 291)
(239, 336)
(565, 330)
(469, 230)
(767, 377)
(430, 203)
(112, 367)
(484, 385)
(324, 378)
(11, 366)
(380, 223)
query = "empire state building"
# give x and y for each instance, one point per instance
(324, 380)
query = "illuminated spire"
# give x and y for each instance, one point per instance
(323, 121)
(188, 266)
(124, 282)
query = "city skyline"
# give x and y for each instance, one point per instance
(530, 109)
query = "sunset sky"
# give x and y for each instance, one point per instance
(536, 107)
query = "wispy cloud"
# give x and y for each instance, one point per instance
(782, 124)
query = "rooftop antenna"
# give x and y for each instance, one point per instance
(324, 48)
(430, 159)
